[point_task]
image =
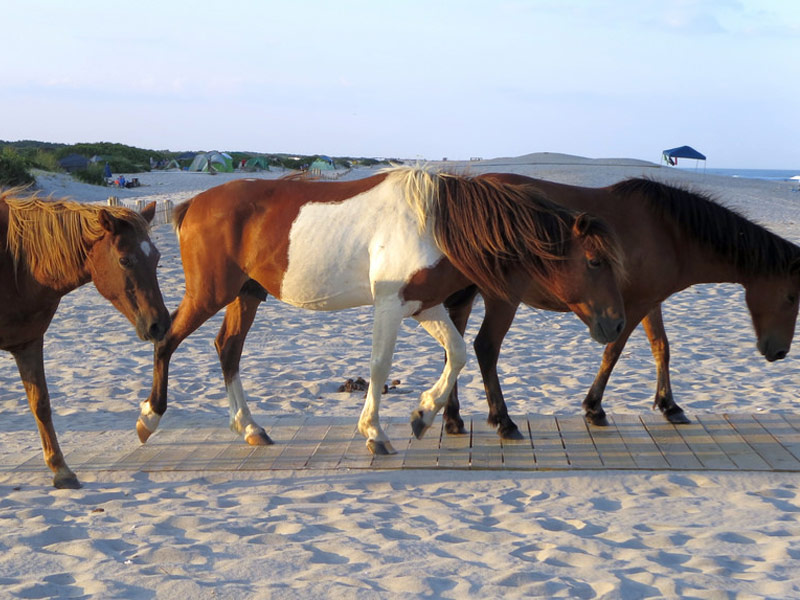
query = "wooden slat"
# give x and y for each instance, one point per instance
(333, 446)
(581, 450)
(671, 444)
(305, 442)
(548, 448)
(643, 449)
(487, 452)
(762, 442)
(732, 444)
(211, 446)
(518, 454)
(282, 432)
(781, 430)
(704, 447)
(424, 453)
(454, 450)
(610, 447)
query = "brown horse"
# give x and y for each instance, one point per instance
(672, 239)
(49, 248)
(402, 241)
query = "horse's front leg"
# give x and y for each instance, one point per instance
(30, 362)
(436, 322)
(653, 325)
(388, 315)
(184, 321)
(592, 403)
(238, 319)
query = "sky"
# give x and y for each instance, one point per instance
(419, 79)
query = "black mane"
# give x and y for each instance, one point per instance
(750, 247)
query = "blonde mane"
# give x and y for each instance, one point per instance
(52, 238)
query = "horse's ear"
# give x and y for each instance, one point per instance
(107, 221)
(149, 212)
(583, 223)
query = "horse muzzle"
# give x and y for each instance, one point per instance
(152, 330)
(772, 350)
(606, 330)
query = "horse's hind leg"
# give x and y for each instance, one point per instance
(653, 325)
(229, 343)
(436, 322)
(499, 316)
(185, 320)
(459, 307)
(30, 363)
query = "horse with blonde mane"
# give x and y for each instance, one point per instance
(402, 240)
(49, 248)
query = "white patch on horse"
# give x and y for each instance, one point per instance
(241, 421)
(146, 247)
(345, 254)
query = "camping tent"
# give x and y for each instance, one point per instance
(73, 162)
(212, 161)
(322, 164)
(256, 163)
(672, 155)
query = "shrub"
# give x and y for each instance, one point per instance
(13, 169)
(92, 174)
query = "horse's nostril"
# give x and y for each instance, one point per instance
(780, 355)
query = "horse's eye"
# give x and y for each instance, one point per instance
(126, 262)
(595, 263)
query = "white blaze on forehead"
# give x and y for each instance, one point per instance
(147, 247)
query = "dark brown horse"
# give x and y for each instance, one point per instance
(50, 248)
(672, 238)
(402, 241)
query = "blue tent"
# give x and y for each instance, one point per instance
(673, 154)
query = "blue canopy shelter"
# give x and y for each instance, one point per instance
(672, 155)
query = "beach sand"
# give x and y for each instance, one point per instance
(399, 534)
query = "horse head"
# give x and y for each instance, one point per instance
(123, 268)
(773, 302)
(588, 280)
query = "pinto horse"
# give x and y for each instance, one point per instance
(49, 248)
(672, 239)
(402, 240)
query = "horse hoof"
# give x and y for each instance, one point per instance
(677, 418)
(66, 482)
(599, 420)
(418, 426)
(455, 427)
(510, 433)
(143, 432)
(380, 448)
(258, 438)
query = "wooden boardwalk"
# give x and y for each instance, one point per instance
(733, 442)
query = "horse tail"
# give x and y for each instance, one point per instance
(489, 229)
(179, 214)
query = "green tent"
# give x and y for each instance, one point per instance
(256, 163)
(213, 162)
(321, 165)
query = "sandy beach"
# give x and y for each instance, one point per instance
(399, 534)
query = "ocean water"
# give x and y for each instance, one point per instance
(767, 174)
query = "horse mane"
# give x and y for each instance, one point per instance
(53, 237)
(753, 249)
(486, 228)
